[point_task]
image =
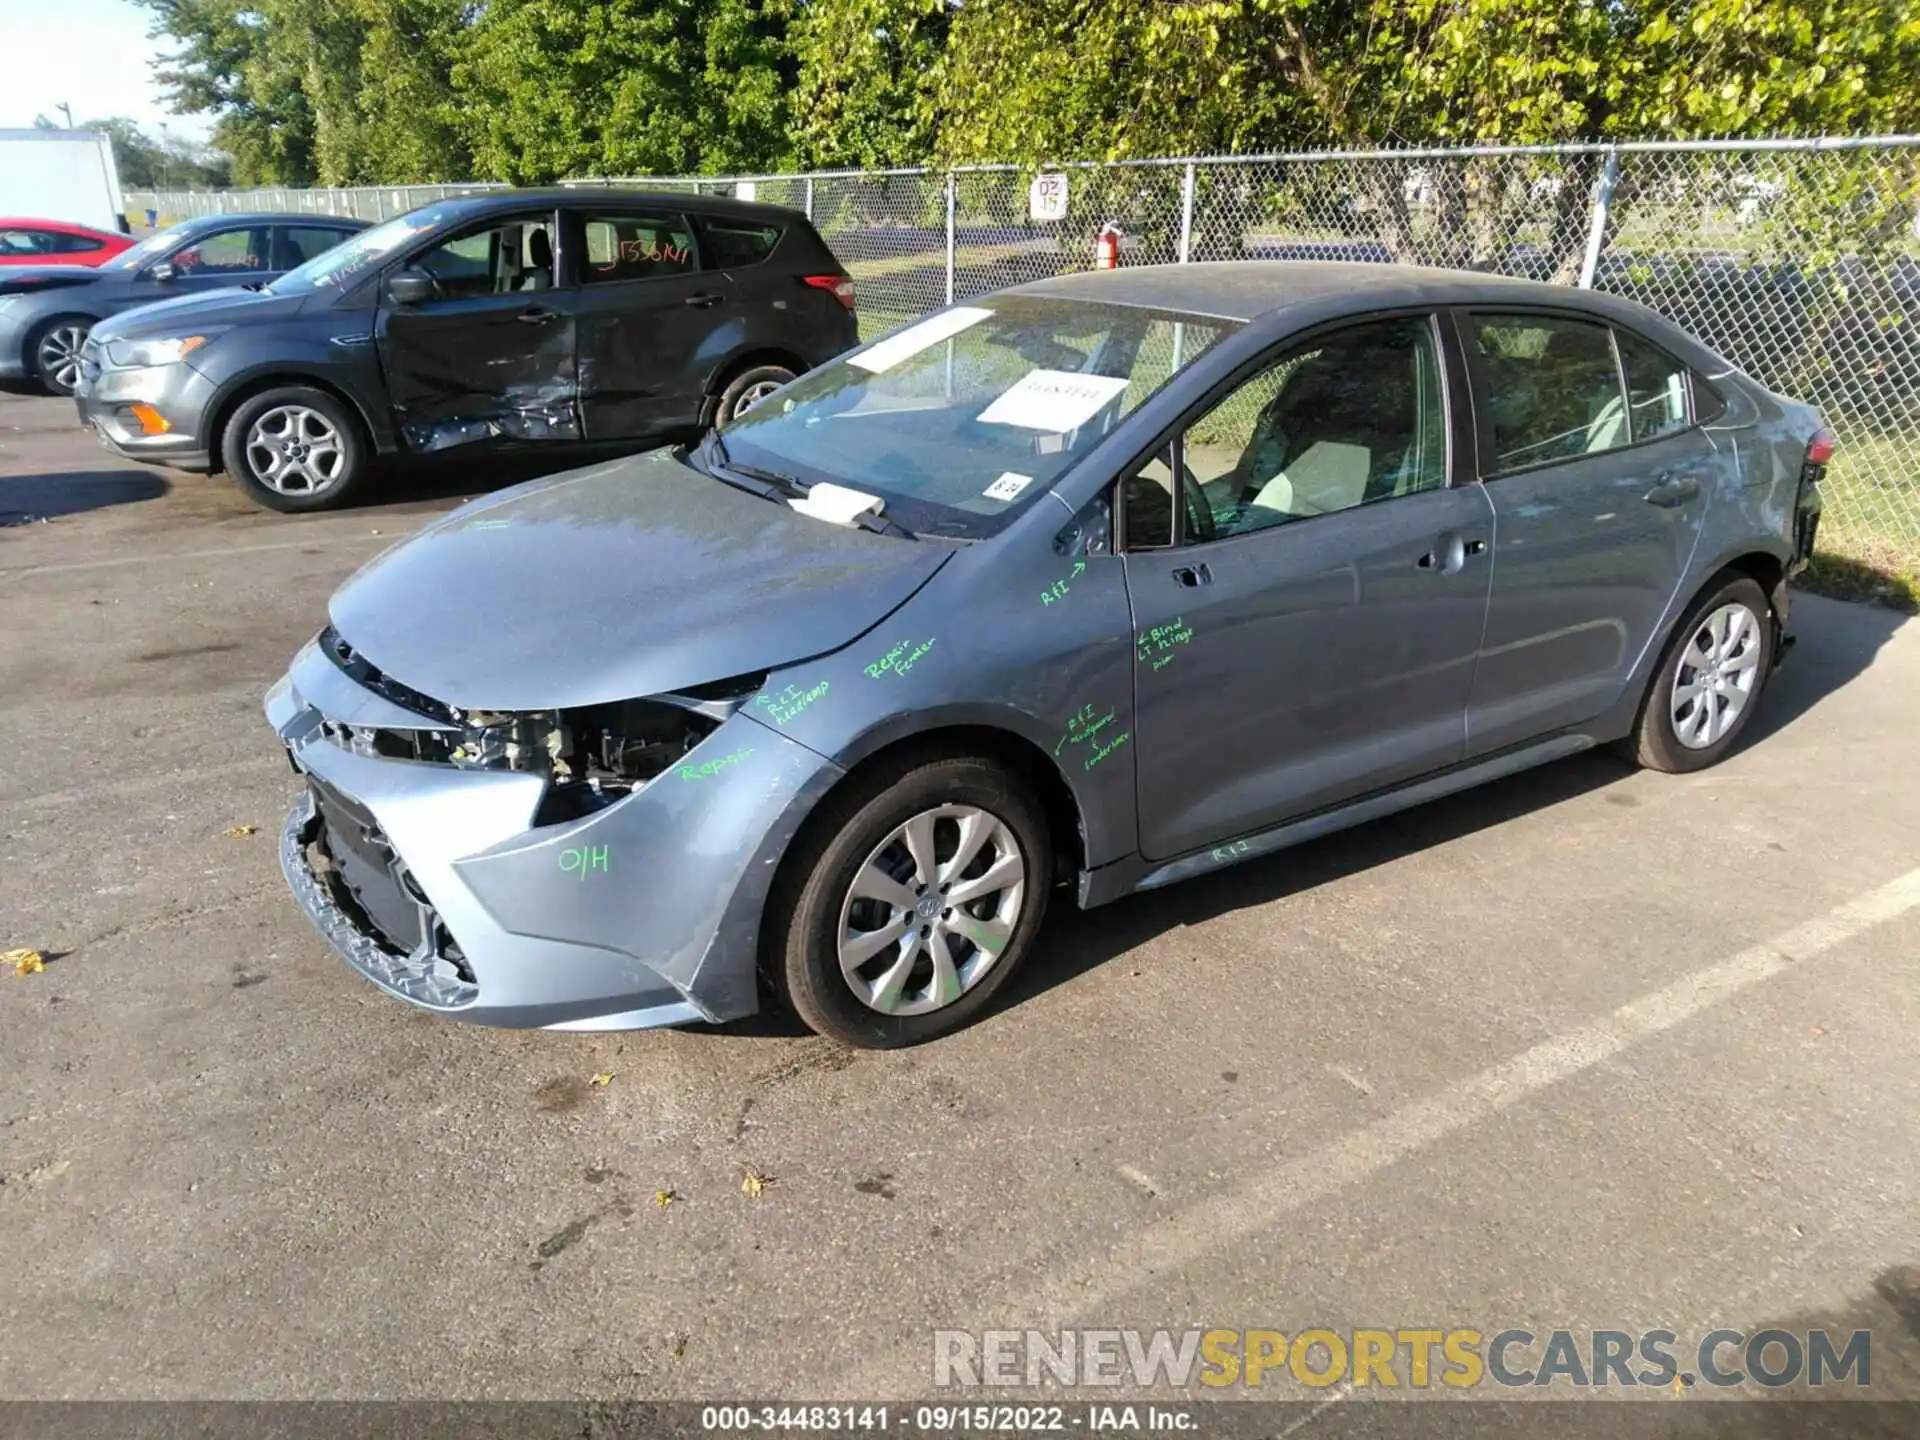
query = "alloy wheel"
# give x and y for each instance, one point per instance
(295, 449)
(931, 910)
(754, 394)
(1715, 677)
(59, 354)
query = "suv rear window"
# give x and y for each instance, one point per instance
(733, 243)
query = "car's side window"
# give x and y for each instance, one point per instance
(636, 245)
(225, 252)
(63, 244)
(300, 243)
(1346, 419)
(25, 242)
(495, 259)
(733, 244)
(1553, 387)
(1656, 387)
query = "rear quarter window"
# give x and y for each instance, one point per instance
(732, 244)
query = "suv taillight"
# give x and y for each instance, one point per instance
(840, 286)
(1820, 448)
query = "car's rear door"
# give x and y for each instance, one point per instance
(295, 244)
(1599, 483)
(1309, 633)
(650, 314)
(491, 355)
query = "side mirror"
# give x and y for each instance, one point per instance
(409, 287)
(160, 270)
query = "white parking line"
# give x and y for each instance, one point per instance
(1198, 1231)
(154, 556)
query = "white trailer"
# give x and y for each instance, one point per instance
(60, 175)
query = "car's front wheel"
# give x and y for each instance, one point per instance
(53, 351)
(1709, 681)
(294, 448)
(911, 902)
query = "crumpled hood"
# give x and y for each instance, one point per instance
(16, 279)
(182, 313)
(616, 582)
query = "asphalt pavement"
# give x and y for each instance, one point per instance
(1585, 1048)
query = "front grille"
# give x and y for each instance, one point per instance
(364, 864)
(363, 671)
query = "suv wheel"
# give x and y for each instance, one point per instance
(748, 389)
(1709, 680)
(294, 448)
(53, 352)
(912, 904)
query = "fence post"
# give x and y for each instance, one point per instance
(1602, 202)
(952, 187)
(809, 197)
(1186, 214)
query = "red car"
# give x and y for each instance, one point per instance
(56, 242)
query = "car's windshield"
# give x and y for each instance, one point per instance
(966, 417)
(148, 250)
(352, 256)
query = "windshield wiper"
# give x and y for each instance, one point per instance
(771, 484)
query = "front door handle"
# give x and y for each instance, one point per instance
(536, 316)
(1671, 492)
(1192, 576)
(703, 301)
(1449, 553)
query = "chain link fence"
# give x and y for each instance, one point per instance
(1799, 260)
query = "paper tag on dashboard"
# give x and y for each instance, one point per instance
(1008, 486)
(1054, 401)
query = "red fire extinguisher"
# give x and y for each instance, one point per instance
(1106, 250)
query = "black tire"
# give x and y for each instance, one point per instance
(801, 946)
(241, 459)
(36, 363)
(1656, 741)
(746, 389)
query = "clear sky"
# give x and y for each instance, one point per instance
(93, 54)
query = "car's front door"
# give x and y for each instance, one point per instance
(1306, 617)
(1598, 494)
(647, 312)
(490, 355)
(218, 259)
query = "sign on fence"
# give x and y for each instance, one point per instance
(1047, 197)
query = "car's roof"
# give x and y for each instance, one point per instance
(622, 195)
(1248, 289)
(270, 217)
(65, 227)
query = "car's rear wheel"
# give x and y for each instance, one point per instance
(911, 903)
(53, 350)
(748, 389)
(1709, 680)
(294, 448)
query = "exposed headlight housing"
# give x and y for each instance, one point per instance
(138, 354)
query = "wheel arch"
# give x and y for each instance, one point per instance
(30, 337)
(237, 392)
(737, 364)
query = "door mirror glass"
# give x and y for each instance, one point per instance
(161, 270)
(410, 287)
(1553, 388)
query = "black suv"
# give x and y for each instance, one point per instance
(47, 310)
(511, 318)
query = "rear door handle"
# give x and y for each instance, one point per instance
(537, 316)
(1192, 576)
(1671, 492)
(703, 300)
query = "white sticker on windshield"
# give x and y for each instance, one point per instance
(1054, 401)
(915, 338)
(1008, 486)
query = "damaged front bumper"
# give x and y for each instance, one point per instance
(434, 881)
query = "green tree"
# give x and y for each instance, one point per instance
(864, 95)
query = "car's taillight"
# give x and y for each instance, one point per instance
(1820, 449)
(840, 285)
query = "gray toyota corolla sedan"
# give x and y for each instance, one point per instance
(1102, 581)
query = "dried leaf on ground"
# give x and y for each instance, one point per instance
(237, 832)
(603, 1078)
(755, 1183)
(664, 1198)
